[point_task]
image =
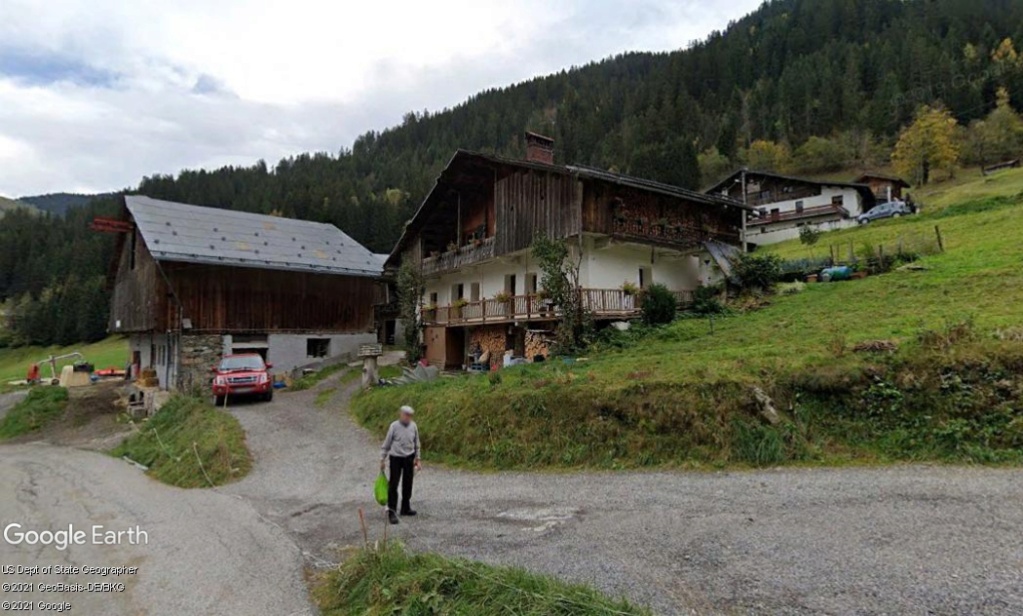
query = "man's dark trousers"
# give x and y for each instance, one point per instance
(402, 469)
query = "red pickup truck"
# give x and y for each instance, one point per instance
(244, 374)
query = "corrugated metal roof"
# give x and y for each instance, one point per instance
(194, 234)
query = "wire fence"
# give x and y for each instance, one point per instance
(871, 256)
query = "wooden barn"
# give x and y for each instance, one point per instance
(473, 233)
(885, 187)
(195, 283)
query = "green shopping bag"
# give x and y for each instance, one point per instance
(380, 489)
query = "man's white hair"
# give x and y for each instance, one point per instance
(408, 409)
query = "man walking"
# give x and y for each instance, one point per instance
(402, 447)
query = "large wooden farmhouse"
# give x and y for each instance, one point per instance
(194, 283)
(473, 233)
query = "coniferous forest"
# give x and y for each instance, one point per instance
(806, 86)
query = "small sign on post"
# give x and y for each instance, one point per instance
(369, 354)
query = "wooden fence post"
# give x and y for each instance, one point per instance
(941, 242)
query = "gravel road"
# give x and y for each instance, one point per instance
(911, 539)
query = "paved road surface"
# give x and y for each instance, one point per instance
(912, 539)
(922, 540)
(208, 553)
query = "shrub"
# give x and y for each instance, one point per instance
(758, 272)
(809, 235)
(706, 301)
(658, 305)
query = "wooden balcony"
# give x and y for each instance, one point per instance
(466, 255)
(603, 303)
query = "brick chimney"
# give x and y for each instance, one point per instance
(539, 149)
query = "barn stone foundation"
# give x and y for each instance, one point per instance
(199, 355)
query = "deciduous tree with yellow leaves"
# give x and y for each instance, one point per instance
(928, 144)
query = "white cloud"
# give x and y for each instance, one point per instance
(126, 89)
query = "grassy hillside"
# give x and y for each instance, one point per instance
(392, 581)
(14, 363)
(684, 394)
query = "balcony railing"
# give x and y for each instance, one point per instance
(603, 303)
(466, 255)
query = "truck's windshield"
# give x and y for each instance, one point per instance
(242, 362)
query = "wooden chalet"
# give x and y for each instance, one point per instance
(782, 203)
(473, 233)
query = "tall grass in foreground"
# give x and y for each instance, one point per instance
(390, 580)
(188, 443)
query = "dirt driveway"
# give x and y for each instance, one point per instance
(909, 539)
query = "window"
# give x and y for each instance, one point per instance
(510, 284)
(433, 299)
(838, 200)
(531, 283)
(775, 213)
(474, 292)
(799, 207)
(457, 292)
(645, 277)
(317, 347)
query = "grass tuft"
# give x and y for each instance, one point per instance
(40, 407)
(309, 380)
(393, 581)
(323, 397)
(168, 443)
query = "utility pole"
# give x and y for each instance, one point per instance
(745, 213)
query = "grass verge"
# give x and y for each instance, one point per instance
(184, 432)
(393, 581)
(41, 406)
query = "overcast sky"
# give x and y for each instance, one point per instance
(94, 94)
